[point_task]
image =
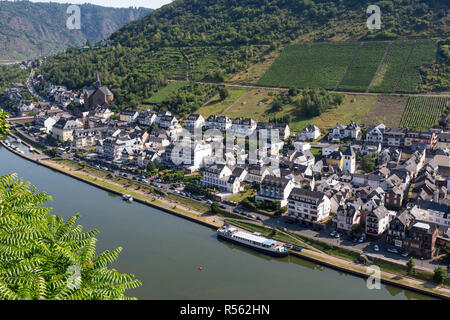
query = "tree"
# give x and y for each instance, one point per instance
(215, 207)
(410, 265)
(223, 93)
(439, 275)
(52, 153)
(4, 125)
(368, 163)
(82, 164)
(47, 258)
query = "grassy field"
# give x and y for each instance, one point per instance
(365, 109)
(165, 92)
(393, 66)
(323, 66)
(216, 106)
(423, 112)
(423, 53)
(364, 67)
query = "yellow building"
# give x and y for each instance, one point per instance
(335, 159)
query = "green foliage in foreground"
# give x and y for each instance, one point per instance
(43, 257)
(4, 125)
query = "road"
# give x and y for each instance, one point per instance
(255, 86)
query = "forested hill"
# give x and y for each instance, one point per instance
(29, 29)
(222, 22)
(211, 40)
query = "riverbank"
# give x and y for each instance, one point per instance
(189, 214)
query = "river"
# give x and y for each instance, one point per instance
(165, 251)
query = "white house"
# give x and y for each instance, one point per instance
(221, 123)
(194, 121)
(243, 126)
(375, 133)
(309, 206)
(146, 117)
(220, 176)
(377, 222)
(309, 133)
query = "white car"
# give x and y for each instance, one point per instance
(404, 254)
(376, 248)
(332, 233)
(392, 250)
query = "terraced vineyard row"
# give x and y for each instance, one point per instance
(363, 68)
(204, 61)
(424, 52)
(324, 64)
(423, 112)
(167, 61)
(393, 66)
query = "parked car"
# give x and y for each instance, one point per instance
(405, 254)
(207, 201)
(392, 250)
(223, 206)
(361, 239)
(337, 235)
(297, 248)
(333, 233)
(236, 210)
(259, 218)
(376, 248)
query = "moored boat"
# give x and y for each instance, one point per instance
(252, 240)
(127, 197)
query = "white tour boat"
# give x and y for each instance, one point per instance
(252, 240)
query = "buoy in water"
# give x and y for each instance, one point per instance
(200, 268)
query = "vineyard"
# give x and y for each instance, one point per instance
(423, 53)
(283, 65)
(351, 66)
(364, 66)
(421, 113)
(393, 66)
(322, 66)
(213, 63)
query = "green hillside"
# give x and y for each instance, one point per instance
(29, 29)
(213, 40)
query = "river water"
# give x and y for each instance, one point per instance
(164, 251)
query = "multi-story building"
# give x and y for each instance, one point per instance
(427, 138)
(412, 236)
(308, 206)
(220, 177)
(309, 133)
(194, 121)
(221, 123)
(335, 159)
(377, 222)
(348, 216)
(128, 115)
(243, 126)
(375, 133)
(165, 122)
(146, 117)
(394, 137)
(274, 188)
(63, 129)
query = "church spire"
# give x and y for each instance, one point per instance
(98, 81)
